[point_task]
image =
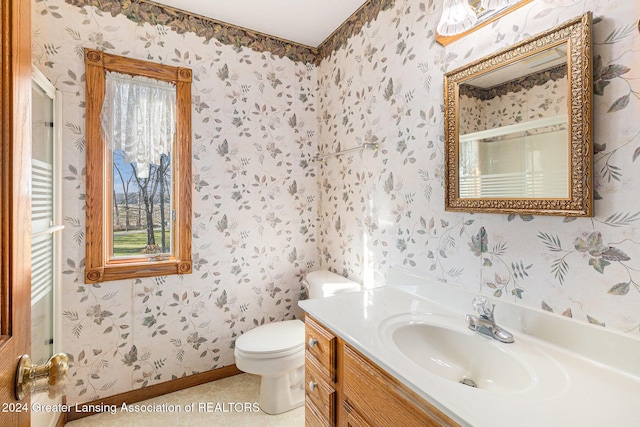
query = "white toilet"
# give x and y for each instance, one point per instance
(276, 350)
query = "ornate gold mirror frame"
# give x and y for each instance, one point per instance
(576, 36)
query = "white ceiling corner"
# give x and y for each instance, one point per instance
(306, 22)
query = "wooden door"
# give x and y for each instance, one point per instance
(15, 225)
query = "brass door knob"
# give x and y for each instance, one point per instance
(50, 377)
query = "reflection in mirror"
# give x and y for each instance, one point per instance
(513, 129)
(518, 127)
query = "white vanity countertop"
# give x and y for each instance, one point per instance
(585, 391)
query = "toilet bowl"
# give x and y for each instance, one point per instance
(275, 351)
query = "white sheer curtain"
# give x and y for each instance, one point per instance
(138, 117)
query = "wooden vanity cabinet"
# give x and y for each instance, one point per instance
(376, 396)
(319, 375)
(351, 391)
(351, 418)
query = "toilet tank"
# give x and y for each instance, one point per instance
(323, 283)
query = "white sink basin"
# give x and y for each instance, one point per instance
(463, 357)
(566, 373)
(443, 346)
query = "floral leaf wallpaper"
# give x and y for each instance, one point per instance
(389, 205)
(255, 202)
(265, 213)
(148, 12)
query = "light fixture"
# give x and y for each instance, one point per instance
(495, 4)
(457, 17)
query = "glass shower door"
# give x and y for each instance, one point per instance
(46, 229)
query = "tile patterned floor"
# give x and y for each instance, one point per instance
(218, 403)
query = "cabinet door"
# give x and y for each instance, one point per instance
(383, 399)
(352, 418)
(312, 417)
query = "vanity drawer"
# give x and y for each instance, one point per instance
(312, 417)
(321, 346)
(321, 394)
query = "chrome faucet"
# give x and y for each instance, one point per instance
(484, 323)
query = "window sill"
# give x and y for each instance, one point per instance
(134, 270)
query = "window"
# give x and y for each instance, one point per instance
(138, 194)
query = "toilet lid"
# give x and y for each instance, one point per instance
(276, 337)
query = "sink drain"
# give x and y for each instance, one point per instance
(468, 382)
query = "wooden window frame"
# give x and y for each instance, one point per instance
(99, 265)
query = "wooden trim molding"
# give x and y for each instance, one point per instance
(99, 265)
(446, 40)
(62, 417)
(152, 391)
(62, 420)
(15, 201)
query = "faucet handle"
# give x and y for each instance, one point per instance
(482, 306)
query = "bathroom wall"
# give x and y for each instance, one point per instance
(254, 199)
(386, 208)
(258, 119)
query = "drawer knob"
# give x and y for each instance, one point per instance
(312, 385)
(312, 342)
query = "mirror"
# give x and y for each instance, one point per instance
(518, 127)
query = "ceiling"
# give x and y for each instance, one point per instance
(307, 22)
